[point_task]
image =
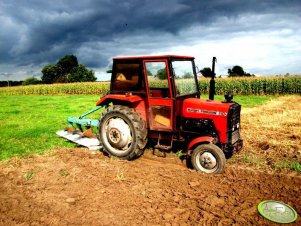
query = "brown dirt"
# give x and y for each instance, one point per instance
(77, 187)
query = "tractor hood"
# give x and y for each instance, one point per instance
(198, 108)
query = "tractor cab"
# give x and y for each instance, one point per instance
(162, 81)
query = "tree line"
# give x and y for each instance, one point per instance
(66, 70)
(236, 71)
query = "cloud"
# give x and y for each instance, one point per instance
(34, 32)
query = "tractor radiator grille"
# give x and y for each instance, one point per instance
(233, 134)
(235, 119)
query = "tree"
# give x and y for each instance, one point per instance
(187, 75)
(67, 63)
(67, 69)
(31, 81)
(161, 74)
(81, 74)
(206, 72)
(49, 74)
(148, 72)
(236, 71)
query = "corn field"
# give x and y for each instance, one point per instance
(57, 89)
(238, 86)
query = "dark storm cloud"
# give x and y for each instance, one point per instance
(36, 32)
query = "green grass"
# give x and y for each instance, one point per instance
(28, 175)
(294, 166)
(29, 123)
(245, 101)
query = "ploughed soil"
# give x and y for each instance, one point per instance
(80, 187)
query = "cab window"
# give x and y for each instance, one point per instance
(126, 77)
(157, 79)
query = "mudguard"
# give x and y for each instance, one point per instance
(204, 139)
(118, 98)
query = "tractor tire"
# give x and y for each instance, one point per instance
(208, 158)
(122, 132)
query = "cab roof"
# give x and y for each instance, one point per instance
(153, 57)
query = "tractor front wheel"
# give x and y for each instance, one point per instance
(122, 132)
(208, 158)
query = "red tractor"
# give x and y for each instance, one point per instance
(157, 98)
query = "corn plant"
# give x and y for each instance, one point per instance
(275, 85)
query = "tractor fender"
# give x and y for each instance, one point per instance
(199, 140)
(119, 98)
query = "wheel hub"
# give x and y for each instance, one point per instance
(118, 133)
(207, 160)
(114, 135)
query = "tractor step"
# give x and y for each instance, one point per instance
(91, 143)
(165, 147)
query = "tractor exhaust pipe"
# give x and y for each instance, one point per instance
(212, 81)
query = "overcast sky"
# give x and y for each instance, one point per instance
(262, 36)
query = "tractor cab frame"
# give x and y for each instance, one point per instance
(163, 82)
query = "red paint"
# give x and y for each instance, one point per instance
(134, 101)
(159, 100)
(199, 140)
(152, 57)
(140, 107)
(118, 97)
(192, 105)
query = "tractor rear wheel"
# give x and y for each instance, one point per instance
(122, 132)
(208, 158)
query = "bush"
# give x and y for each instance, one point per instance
(31, 81)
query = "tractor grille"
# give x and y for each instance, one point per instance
(233, 134)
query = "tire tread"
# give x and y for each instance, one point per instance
(138, 125)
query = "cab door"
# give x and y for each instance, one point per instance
(159, 95)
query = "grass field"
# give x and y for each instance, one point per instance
(29, 123)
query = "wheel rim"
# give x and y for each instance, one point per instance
(206, 162)
(117, 134)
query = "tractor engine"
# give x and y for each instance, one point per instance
(219, 120)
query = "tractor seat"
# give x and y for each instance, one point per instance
(162, 120)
